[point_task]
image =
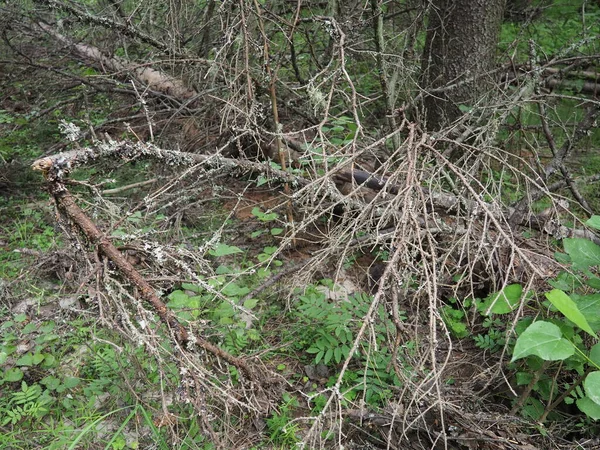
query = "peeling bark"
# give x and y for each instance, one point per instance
(154, 79)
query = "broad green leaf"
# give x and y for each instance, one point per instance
(592, 387)
(234, 290)
(224, 250)
(47, 327)
(178, 299)
(276, 231)
(589, 305)
(319, 356)
(583, 252)
(223, 270)
(50, 382)
(594, 222)
(14, 374)
(49, 360)
(562, 258)
(250, 303)
(263, 272)
(30, 328)
(543, 339)
(533, 409)
(25, 360)
(589, 408)
(502, 302)
(71, 382)
(262, 257)
(20, 317)
(569, 308)
(523, 378)
(192, 287)
(593, 282)
(595, 355)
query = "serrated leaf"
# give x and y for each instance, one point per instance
(71, 382)
(591, 385)
(234, 290)
(177, 299)
(583, 252)
(569, 308)
(543, 339)
(20, 317)
(224, 250)
(250, 303)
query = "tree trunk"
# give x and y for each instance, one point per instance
(459, 53)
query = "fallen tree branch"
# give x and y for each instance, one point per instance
(125, 29)
(154, 79)
(57, 166)
(66, 204)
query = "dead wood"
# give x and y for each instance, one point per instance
(59, 165)
(67, 205)
(143, 73)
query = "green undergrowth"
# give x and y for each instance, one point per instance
(70, 384)
(554, 342)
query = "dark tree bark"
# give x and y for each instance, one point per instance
(459, 54)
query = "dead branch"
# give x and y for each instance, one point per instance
(125, 29)
(66, 204)
(59, 165)
(154, 79)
